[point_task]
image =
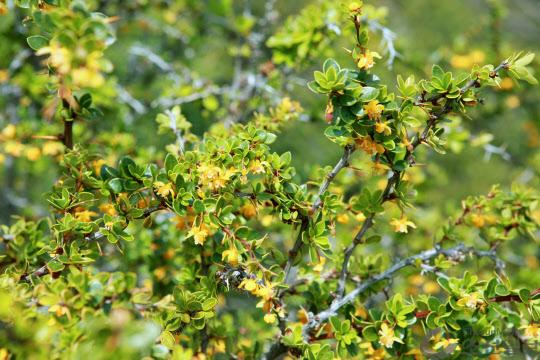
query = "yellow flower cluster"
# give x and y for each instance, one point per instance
(467, 61)
(374, 110)
(387, 336)
(231, 256)
(371, 353)
(480, 220)
(84, 215)
(214, 177)
(264, 291)
(59, 57)
(62, 59)
(248, 210)
(471, 301)
(199, 233)
(532, 331)
(443, 343)
(367, 144)
(107, 209)
(164, 190)
(367, 59)
(257, 166)
(402, 225)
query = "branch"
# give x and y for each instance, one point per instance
(422, 314)
(393, 181)
(343, 162)
(457, 253)
(67, 138)
(97, 236)
(210, 90)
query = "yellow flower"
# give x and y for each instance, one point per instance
(444, 343)
(163, 189)
(342, 218)
(471, 300)
(85, 77)
(360, 217)
(417, 354)
(387, 336)
(107, 209)
(478, 220)
(355, 7)
(320, 265)
(401, 225)
(367, 59)
(97, 164)
(265, 291)
(382, 127)
(4, 354)
(231, 256)
(467, 61)
(33, 153)
(160, 273)
(248, 210)
(374, 110)
(430, 287)
(268, 219)
(219, 346)
(532, 331)
(199, 234)
(367, 144)
(248, 285)
(512, 102)
(213, 176)
(4, 75)
(59, 310)
(257, 167)
(52, 148)
(59, 57)
(9, 131)
(84, 215)
(270, 318)
(371, 353)
(506, 84)
(14, 148)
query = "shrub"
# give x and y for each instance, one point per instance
(219, 248)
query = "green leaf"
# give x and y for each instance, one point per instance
(55, 266)
(116, 185)
(198, 206)
(167, 339)
(524, 295)
(373, 239)
(370, 333)
(36, 42)
(330, 63)
(170, 162)
(501, 290)
(437, 72)
(124, 164)
(369, 93)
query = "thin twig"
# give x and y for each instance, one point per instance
(456, 253)
(342, 162)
